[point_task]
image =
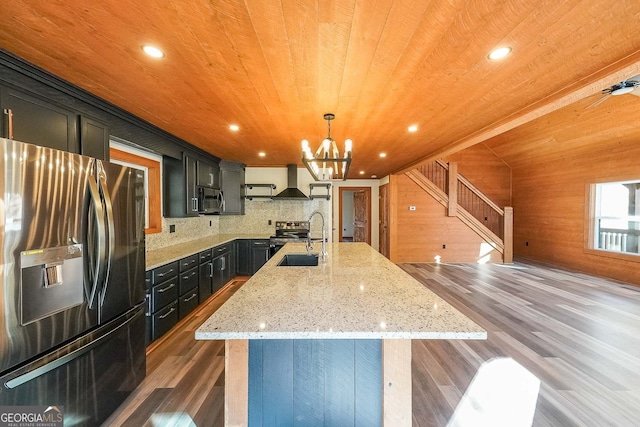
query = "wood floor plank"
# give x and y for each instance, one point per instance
(578, 334)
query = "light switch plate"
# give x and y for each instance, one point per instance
(412, 208)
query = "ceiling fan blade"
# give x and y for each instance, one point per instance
(599, 101)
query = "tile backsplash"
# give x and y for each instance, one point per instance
(258, 213)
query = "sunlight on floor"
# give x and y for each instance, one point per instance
(485, 252)
(502, 394)
(174, 419)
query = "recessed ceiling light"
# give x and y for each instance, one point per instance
(262, 154)
(234, 127)
(412, 128)
(374, 176)
(500, 52)
(383, 154)
(153, 51)
(361, 172)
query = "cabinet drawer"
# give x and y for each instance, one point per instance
(188, 302)
(188, 280)
(164, 320)
(163, 294)
(188, 262)
(205, 256)
(165, 272)
(219, 250)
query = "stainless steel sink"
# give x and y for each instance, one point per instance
(299, 260)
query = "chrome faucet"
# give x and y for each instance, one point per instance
(309, 246)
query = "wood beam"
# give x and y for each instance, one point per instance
(616, 72)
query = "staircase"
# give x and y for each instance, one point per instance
(464, 201)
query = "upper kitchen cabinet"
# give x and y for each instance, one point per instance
(29, 118)
(180, 195)
(208, 174)
(94, 138)
(231, 184)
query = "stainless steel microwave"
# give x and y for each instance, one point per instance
(210, 201)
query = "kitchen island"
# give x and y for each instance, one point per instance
(327, 344)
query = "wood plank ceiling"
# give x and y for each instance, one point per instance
(274, 68)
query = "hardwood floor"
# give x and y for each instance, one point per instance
(579, 335)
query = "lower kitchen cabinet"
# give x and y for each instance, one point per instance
(188, 285)
(259, 254)
(187, 302)
(176, 289)
(206, 275)
(243, 257)
(162, 300)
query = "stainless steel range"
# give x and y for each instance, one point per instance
(288, 232)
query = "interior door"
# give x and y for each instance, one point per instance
(361, 217)
(384, 220)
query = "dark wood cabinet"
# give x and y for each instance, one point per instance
(243, 257)
(208, 174)
(174, 290)
(180, 197)
(259, 254)
(188, 285)
(29, 118)
(94, 138)
(162, 300)
(205, 275)
(231, 184)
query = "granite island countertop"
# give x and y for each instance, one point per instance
(357, 294)
(159, 257)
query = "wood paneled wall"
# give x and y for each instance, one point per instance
(553, 159)
(420, 234)
(486, 171)
(550, 202)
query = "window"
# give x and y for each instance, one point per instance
(616, 217)
(125, 156)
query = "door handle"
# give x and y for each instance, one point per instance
(102, 181)
(97, 268)
(8, 125)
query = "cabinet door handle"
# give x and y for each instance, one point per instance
(210, 269)
(224, 264)
(8, 122)
(189, 276)
(191, 297)
(211, 179)
(165, 273)
(170, 311)
(166, 289)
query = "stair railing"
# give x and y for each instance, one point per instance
(473, 207)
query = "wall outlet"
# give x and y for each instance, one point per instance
(444, 246)
(172, 228)
(526, 243)
(269, 222)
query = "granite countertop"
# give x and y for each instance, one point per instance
(358, 293)
(159, 257)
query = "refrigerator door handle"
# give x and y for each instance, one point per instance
(97, 268)
(41, 370)
(102, 180)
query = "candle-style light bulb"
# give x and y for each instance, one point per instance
(347, 146)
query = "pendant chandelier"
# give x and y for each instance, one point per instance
(326, 163)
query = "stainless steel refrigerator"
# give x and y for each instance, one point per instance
(72, 282)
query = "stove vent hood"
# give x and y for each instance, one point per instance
(291, 192)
